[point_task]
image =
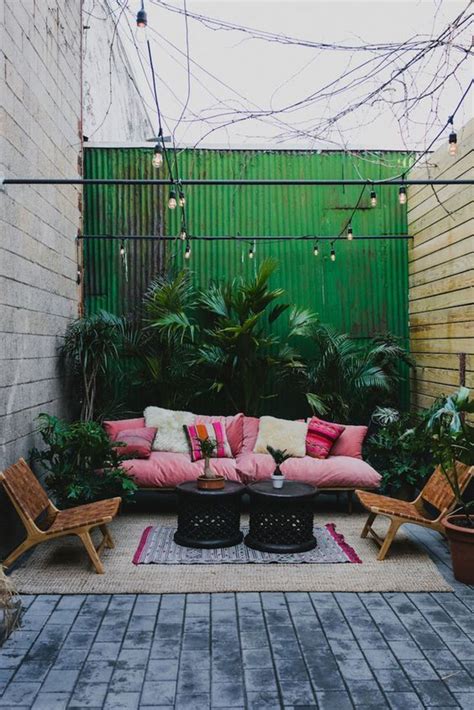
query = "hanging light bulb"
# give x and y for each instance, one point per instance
(402, 195)
(350, 233)
(79, 276)
(157, 160)
(187, 251)
(373, 199)
(251, 253)
(333, 253)
(453, 142)
(183, 234)
(172, 200)
(182, 199)
(142, 20)
(316, 249)
(122, 248)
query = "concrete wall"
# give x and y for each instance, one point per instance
(40, 89)
(441, 273)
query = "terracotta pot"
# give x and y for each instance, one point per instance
(210, 484)
(461, 542)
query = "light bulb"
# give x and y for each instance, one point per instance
(79, 275)
(453, 143)
(157, 160)
(251, 253)
(183, 235)
(182, 199)
(122, 249)
(187, 251)
(333, 254)
(142, 20)
(315, 250)
(402, 195)
(350, 234)
(373, 199)
(172, 200)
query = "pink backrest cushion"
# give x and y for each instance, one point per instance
(321, 436)
(113, 428)
(250, 434)
(137, 442)
(234, 427)
(350, 442)
(208, 430)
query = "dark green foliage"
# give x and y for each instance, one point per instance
(82, 463)
(400, 450)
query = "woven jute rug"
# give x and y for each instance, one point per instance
(61, 567)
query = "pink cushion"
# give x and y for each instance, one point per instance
(167, 470)
(321, 436)
(215, 431)
(234, 427)
(137, 442)
(250, 434)
(333, 472)
(113, 428)
(350, 442)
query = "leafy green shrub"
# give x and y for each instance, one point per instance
(82, 464)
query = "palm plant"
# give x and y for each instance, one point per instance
(344, 379)
(278, 457)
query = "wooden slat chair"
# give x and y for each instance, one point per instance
(32, 503)
(436, 492)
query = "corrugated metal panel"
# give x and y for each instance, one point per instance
(364, 291)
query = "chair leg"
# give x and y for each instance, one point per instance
(17, 552)
(92, 552)
(366, 528)
(392, 531)
(107, 536)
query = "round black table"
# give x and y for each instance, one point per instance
(209, 518)
(281, 519)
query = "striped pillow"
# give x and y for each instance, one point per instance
(321, 436)
(213, 430)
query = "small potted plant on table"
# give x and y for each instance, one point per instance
(209, 480)
(279, 457)
(452, 440)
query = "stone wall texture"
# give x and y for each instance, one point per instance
(40, 133)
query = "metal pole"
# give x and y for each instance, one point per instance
(306, 237)
(243, 183)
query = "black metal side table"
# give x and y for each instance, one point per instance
(209, 518)
(281, 519)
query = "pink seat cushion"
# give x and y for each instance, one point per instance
(350, 442)
(165, 469)
(137, 442)
(113, 428)
(333, 472)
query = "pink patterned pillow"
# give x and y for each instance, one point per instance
(321, 436)
(212, 430)
(137, 442)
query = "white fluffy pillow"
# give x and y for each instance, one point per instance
(170, 435)
(281, 434)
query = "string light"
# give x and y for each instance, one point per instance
(157, 160)
(172, 200)
(402, 195)
(182, 199)
(316, 249)
(122, 248)
(183, 234)
(333, 252)
(373, 199)
(79, 276)
(187, 251)
(251, 253)
(142, 19)
(350, 233)
(453, 139)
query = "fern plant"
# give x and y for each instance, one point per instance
(279, 457)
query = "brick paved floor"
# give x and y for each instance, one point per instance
(249, 650)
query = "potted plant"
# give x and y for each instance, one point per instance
(452, 441)
(209, 480)
(279, 457)
(10, 607)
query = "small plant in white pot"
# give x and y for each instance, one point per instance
(279, 457)
(209, 480)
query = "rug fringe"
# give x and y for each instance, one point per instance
(339, 538)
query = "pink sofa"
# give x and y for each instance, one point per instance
(343, 470)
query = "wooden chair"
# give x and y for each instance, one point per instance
(437, 493)
(43, 521)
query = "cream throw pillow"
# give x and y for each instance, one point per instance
(170, 435)
(281, 434)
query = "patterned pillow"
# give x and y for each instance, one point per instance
(213, 430)
(137, 443)
(321, 436)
